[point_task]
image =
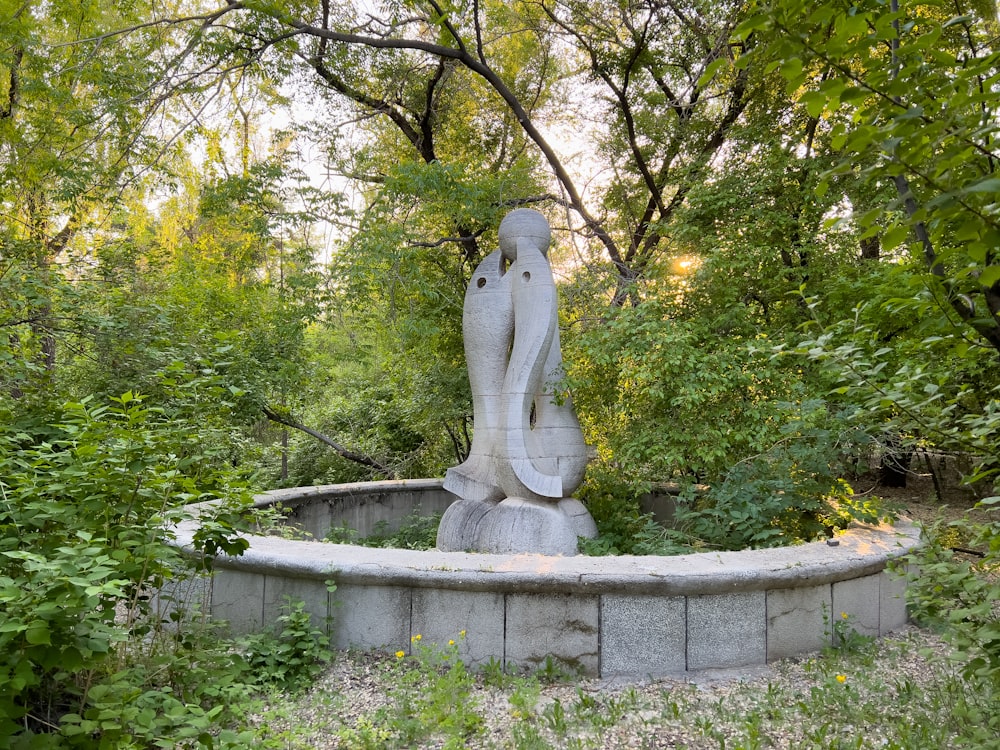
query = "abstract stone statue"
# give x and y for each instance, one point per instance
(528, 454)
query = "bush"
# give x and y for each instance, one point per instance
(789, 493)
(667, 399)
(962, 595)
(86, 499)
(291, 656)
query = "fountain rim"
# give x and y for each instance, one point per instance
(860, 551)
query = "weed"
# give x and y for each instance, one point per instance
(272, 520)
(554, 670)
(416, 531)
(837, 702)
(524, 696)
(495, 675)
(293, 654)
(342, 534)
(589, 709)
(554, 716)
(846, 638)
(431, 695)
(527, 736)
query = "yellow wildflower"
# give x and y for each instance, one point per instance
(461, 634)
(843, 615)
(416, 638)
(400, 654)
(451, 643)
(841, 678)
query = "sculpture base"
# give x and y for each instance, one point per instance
(515, 525)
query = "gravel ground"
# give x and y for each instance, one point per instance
(835, 699)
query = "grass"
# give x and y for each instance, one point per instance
(896, 693)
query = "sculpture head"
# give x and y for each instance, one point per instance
(524, 223)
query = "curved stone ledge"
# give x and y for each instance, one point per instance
(606, 615)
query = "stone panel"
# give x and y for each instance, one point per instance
(643, 635)
(371, 617)
(440, 615)
(726, 630)
(238, 598)
(310, 591)
(563, 626)
(183, 598)
(892, 600)
(859, 600)
(798, 621)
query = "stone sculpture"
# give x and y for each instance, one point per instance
(528, 454)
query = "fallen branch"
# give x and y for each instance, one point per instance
(343, 452)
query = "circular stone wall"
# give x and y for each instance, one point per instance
(607, 616)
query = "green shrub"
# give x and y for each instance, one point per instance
(961, 595)
(416, 531)
(790, 493)
(87, 494)
(666, 398)
(292, 655)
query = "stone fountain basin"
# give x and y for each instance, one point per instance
(605, 616)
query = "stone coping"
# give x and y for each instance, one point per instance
(861, 551)
(293, 496)
(609, 616)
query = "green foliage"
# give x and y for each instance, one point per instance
(622, 527)
(641, 536)
(756, 232)
(960, 595)
(791, 493)
(87, 494)
(903, 370)
(431, 696)
(908, 89)
(415, 531)
(846, 639)
(184, 689)
(662, 396)
(374, 417)
(293, 655)
(670, 398)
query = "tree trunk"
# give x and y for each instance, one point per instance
(871, 248)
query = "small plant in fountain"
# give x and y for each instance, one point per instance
(416, 531)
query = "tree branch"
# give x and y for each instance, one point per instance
(358, 458)
(447, 240)
(484, 71)
(13, 85)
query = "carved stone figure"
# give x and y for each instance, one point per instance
(528, 454)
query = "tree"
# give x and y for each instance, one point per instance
(917, 80)
(911, 94)
(659, 68)
(71, 136)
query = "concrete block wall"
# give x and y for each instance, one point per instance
(359, 505)
(608, 634)
(629, 616)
